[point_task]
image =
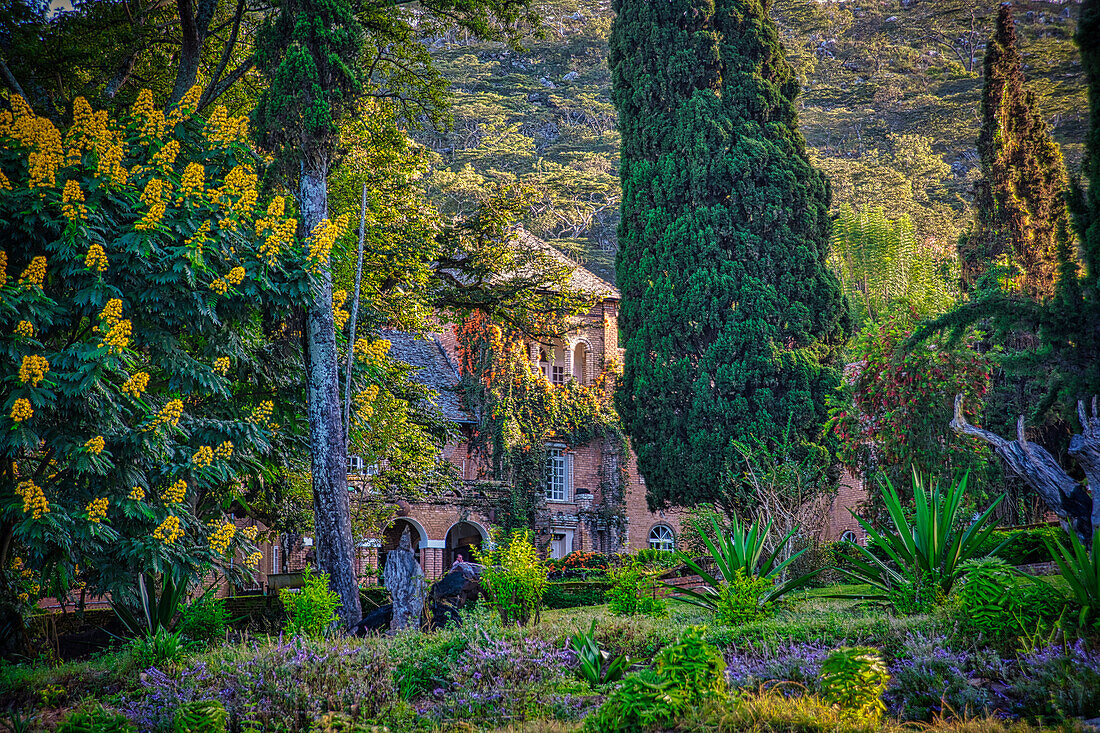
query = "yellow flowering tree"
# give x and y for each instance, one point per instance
(145, 297)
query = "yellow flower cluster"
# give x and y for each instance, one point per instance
(170, 414)
(176, 493)
(200, 236)
(39, 134)
(186, 106)
(35, 274)
(204, 456)
(21, 410)
(72, 201)
(224, 450)
(135, 385)
(111, 314)
(223, 535)
(152, 196)
(24, 328)
(254, 559)
(97, 510)
(323, 236)
(3, 267)
(237, 197)
(371, 351)
(250, 533)
(282, 230)
(34, 500)
(235, 276)
(225, 130)
(91, 131)
(96, 259)
(364, 402)
(339, 315)
(169, 530)
(193, 180)
(137, 493)
(261, 415)
(118, 338)
(165, 158)
(109, 166)
(33, 369)
(221, 365)
(95, 445)
(150, 118)
(5, 184)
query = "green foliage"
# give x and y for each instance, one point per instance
(343, 723)
(596, 666)
(161, 648)
(311, 609)
(1023, 546)
(731, 321)
(685, 674)
(741, 597)
(925, 556)
(152, 613)
(575, 594)
(1021, 216)
(156, 313)
(94, 718)
(998, 604)
(515, 578)
(1080, 568)
(205, 619)
(854, 679)
(879, 262)
(200, 716)
(428, 667)
(895, 414)
(633, 591)
(742, 550)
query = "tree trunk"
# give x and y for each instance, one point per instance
(328, 451)
(1039, 469)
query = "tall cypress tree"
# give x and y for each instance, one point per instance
(731, 320)
(1020, 198)
(309, 53)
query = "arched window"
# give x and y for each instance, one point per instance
(580, 363)
(661, 538)
(848, 536)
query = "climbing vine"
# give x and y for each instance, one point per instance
(519, 412)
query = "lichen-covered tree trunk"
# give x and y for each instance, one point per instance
(328, 450)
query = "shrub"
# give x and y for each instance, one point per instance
(1022, 546)
(94, 718)
(163, 648)
(925, 556)
(594, 665)
(853, 679)
(515, 578)
(684, 675)
(633, 591)
(741, 599)
(996, 603)
(311, 611)
(201, 716)
(742, 548)
(1082, 573)
(428, 667)
(205, 620)
(572, 595)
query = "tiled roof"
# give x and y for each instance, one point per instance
(431, 368)
(582, 279)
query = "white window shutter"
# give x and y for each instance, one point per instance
(569, 477)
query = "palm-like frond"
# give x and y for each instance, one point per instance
(1081, 571)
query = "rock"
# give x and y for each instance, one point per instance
(547, 83)
(570, 76)
(404, 580)
(376, 620)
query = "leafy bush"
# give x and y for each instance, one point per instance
(428, 667)
(741, 600)
(996, 603)
(515, 578)
(201, 716)
(1022, 546)
(743, 549)
(163, 648)
(205, 620)
(633, 591)
(854, 678)
(1082, 572)
(94, 718)
(577, 562)
(684, 675)
(924, 557)
(575, 594)
(596, 666)
(311, 611)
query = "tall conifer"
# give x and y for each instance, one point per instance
(1020, 198)
(730, 318)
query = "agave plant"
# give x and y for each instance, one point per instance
(743, 549)
(928, 549)
(1080, 571)
(152, 614)
(596, 666)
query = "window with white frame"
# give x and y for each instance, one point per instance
(661, 538)
(355, 463)
(557, 375)
(558, 478)
(275, 566)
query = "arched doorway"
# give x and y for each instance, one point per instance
(461, 539)
(580, 363)
(391, 538)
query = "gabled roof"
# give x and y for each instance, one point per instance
(432, 368)
(582, 278)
